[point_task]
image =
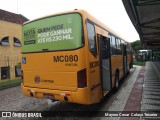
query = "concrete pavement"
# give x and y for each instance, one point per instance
(151, 88)
(145, 95)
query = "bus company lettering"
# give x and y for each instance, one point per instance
(49, 81)
(66, 58)
(94, 64)
(52, 34)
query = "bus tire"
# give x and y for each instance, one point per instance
(116, 82)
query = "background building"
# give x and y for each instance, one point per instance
(10, 44)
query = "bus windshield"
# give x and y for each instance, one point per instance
(61, 32)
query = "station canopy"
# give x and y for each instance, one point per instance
(145, 16)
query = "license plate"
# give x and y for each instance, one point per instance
(48, 96)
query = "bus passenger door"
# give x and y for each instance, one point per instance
(105, 64)
(125, 59)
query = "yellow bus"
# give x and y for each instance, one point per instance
(72, 57)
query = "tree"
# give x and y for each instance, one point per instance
(137, 45)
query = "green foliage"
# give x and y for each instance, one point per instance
(18, 65)
(6, 83)
(137, 45)
(139, 63)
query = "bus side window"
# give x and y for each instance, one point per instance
(119, 50)
(104, 49)
(109, 36)
(125, 49)
(128, 49)
(122, 44)
(120, 47)
(113, 45)
(91, 39)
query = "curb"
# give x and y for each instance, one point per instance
(9, 86)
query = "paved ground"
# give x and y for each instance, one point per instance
(12, 99)
(151, 88)
(123, 94)
(127, 98)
